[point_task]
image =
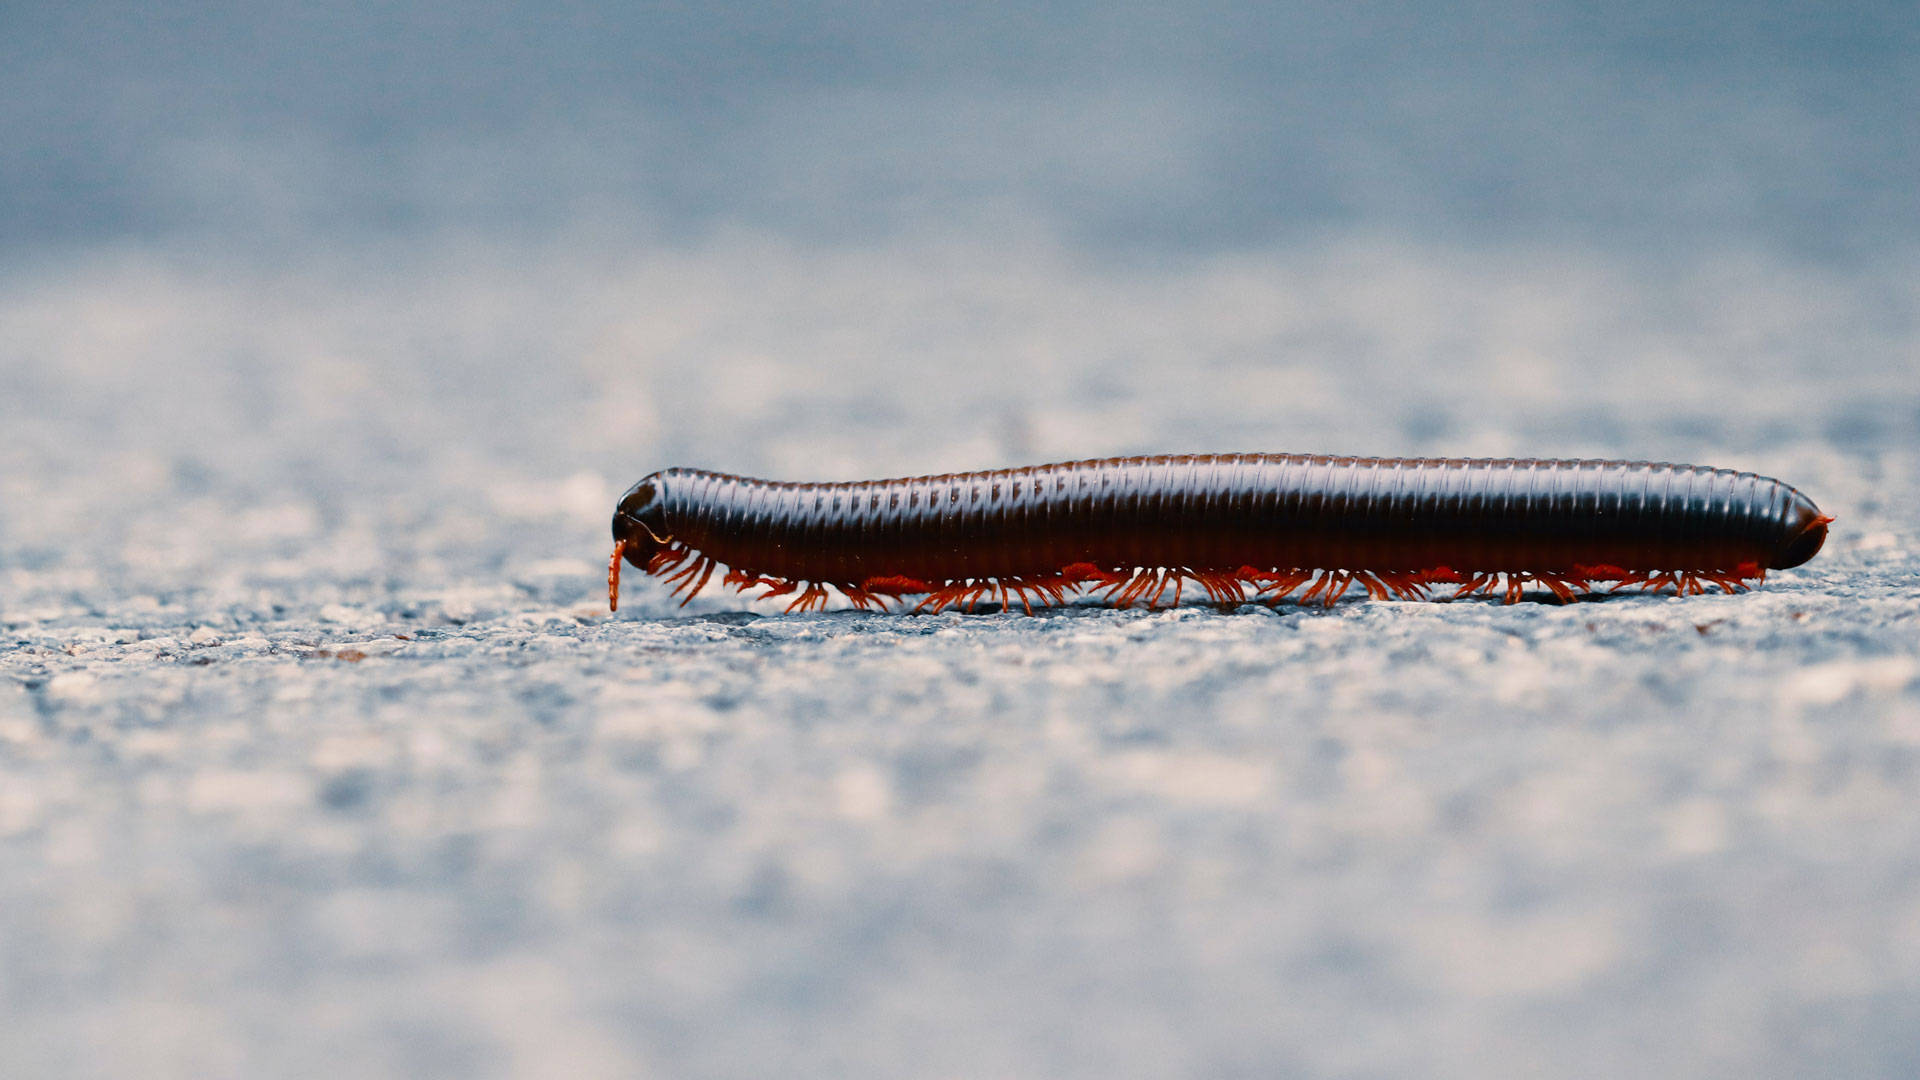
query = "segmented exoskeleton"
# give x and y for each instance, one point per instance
(1241, 526)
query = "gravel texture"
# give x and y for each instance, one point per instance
(319, 755)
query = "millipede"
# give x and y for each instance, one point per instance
(1241, 527)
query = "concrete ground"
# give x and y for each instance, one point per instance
(320, 756)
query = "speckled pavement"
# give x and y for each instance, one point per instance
(320, 756)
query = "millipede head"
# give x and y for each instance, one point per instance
(640, 523)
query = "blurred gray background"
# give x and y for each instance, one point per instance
(329, 335)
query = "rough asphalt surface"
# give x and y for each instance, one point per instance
(319, 755)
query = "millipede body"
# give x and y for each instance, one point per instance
(1261, 527)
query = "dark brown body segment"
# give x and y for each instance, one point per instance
(1230, 522)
